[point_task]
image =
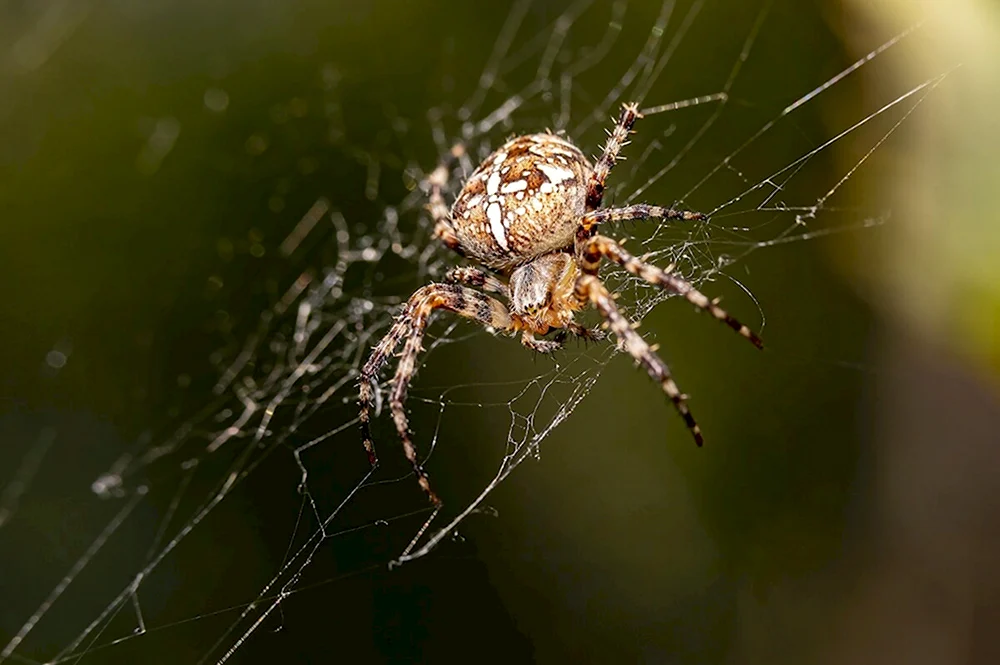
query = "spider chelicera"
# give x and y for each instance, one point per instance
(529, 215)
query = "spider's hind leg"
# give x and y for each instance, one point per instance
(479, 279)
(435, 183)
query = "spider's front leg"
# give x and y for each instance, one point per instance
(636, 212)
(410, 325)
(590, 289)
(617, 139)
(594, 249)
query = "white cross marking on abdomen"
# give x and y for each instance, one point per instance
(494, 214)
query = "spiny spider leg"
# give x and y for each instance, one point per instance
(589, 289)
(436, 182)
(635, 212)
(617, 139)
(598, 247)
(411, 325)
(558, 341)
(479, 279)
(545, 346)
(584, 333)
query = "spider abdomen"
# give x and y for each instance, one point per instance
(523, 201)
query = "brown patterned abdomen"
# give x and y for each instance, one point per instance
(524, 200)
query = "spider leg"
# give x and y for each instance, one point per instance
(479, 279)
(410, 325)
(634, 212)
(617, 139)
(436, 181)
(541, 345)
(589, 288)
(584, 333)
(598, 247)
(558, 341)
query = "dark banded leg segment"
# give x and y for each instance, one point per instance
(479, 279)
(410, 326)
(617, 139)
(541, 345)
(637, 212)
(586, 334)
(589, 289)
(598, 247)
(547, 346)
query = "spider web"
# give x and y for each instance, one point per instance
(278, 418)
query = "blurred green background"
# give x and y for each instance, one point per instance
(844, 509)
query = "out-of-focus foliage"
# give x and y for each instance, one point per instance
(938, 264)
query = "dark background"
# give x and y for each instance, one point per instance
(843, 509)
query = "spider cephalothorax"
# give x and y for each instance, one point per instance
(529, 214)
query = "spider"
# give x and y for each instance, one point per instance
(529, 215)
